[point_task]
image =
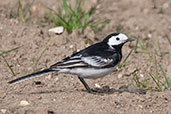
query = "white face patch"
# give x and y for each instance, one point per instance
(116, 40)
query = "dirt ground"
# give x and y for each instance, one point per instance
(147, 20)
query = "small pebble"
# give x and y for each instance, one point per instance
(149, 35)
(39, 97)
(146, 11)
(57, 30)
(140, 106)
(165, 5)
(3, 111)
(71, 46)
(141, 75)
(24, 103)
(97, 85)
(48, 77)
(56, 79)
(119, 75)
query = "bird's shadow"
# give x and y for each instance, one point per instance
(103, 90)
(129, 88)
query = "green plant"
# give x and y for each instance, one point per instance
(98, 26)
(73, 18)
(135, 47)
(23, 11)
(8, 51)
(119, 28)
(36, 62)
(5, 60)
(9, 66)
(125, 60)
(157, 81)
(168, 39)
(141, 84)
(20, 8)
(142, 45)
(158, 50)
(166, 79)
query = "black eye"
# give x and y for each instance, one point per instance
(117, 38)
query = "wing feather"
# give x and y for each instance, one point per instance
(79, 61)
(97, 61)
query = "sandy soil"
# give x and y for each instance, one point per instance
(148, 20)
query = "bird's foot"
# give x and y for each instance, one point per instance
(95, 92)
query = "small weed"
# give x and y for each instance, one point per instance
(166, 79)
(9, 66)
(157, 81)
(168, 39)
(161, 11)
(150, 54)
(119, 28)
(141, 84)
(6, 52)
(20, 8)
(88, 42)
(46, 63)
(36, 62)
(135, 47)
(23, 11)
(41, 24)
(74, 18)
(155, 76)
(98, 26)
(142, 45)
(125, 60)
(158, 50)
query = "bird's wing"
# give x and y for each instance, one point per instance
(97, 55)
(79, 61)
(97, 61)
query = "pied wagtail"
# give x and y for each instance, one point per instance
(92, 62)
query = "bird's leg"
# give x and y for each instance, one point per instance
(85, 85)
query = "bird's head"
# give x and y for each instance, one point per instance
(117, 39)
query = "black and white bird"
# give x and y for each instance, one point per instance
(92, 62)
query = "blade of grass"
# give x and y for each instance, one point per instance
(37, 61)
(95, 26)
(168, 39)
(156, 81)
(124, 62)
(12, 71)
(72, 18)
(60, 17)
(52, 18)
(41, 24)
(158, 50)
(5, 52)
(20, 8)
(164, 74)
(142, 45)
(136, 45)
(144, 84)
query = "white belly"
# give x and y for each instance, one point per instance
(91, 72)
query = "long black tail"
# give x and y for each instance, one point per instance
(31, 75)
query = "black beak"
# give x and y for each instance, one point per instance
(130, 39)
